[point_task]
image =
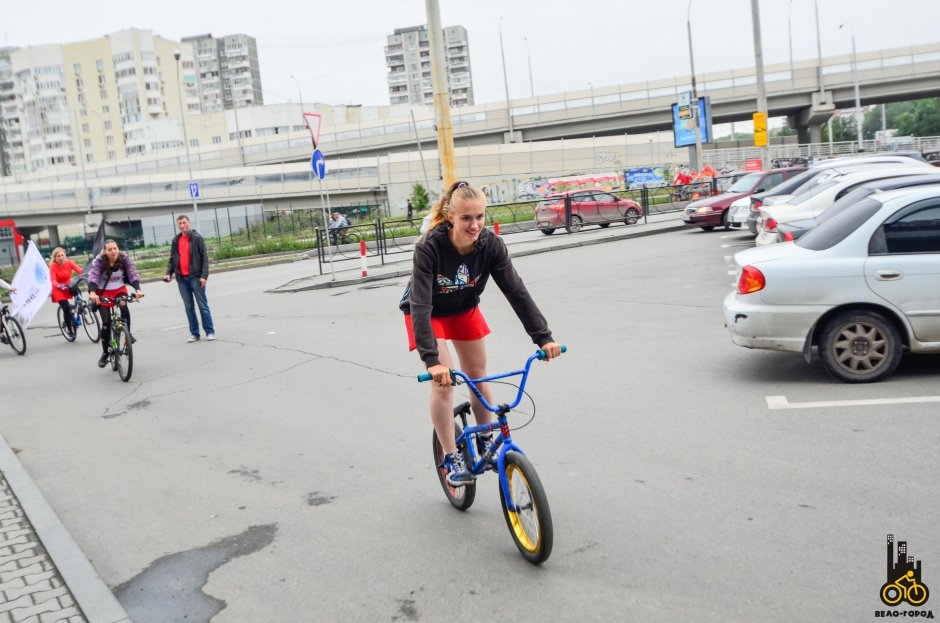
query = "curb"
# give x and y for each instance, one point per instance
(95, 600)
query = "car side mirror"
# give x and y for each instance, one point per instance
(759, 190)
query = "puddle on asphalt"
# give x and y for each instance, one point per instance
(170, 589)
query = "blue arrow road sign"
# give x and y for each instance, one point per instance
(194, 190)
(318, 164)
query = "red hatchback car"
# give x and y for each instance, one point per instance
(588, 207)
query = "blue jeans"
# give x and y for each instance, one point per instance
(189, 290)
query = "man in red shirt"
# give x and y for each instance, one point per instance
(190, 263)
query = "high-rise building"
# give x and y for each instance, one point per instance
(7, 103)
(408, 57)
(116, 97)
(228, 74)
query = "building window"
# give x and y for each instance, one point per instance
(87, 142)
(99, 64)
(109, 140)
(105, 108)
(107, 124)
(111, 155)
(216, 140)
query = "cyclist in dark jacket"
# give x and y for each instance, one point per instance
(453, 262)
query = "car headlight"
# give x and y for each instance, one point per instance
(703, 210)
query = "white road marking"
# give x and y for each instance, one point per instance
(781, 402)
(732, 272)
(740, 244)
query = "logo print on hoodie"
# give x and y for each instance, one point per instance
(462, 280)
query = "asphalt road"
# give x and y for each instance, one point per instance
(284, 472)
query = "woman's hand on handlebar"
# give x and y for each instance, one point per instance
(138, 295)
(93, 297)
(440, 374)
(551, 350)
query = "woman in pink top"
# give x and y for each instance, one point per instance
(60, 271)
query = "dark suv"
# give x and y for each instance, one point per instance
(711, 212)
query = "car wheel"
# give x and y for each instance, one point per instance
(707, 227)
(632, 217)
(575, 224)
(860, 346)
(548, 231)
(726, 220)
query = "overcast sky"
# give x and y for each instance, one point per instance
(335, 49)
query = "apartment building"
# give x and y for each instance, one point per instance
(104, 99)
(408, 58)
(228, 74)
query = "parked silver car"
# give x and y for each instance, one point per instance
(861, 287)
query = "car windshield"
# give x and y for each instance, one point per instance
(834, 230)
(747, 183)
(811, 190)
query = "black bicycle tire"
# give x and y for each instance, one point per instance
(86, 314)
(8, 320)
(60, 319)
(539, 551)
(124, 347)
(460, 498)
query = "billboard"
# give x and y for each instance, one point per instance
(645, 176)
(683, 130)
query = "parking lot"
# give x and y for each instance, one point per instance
(285, 470)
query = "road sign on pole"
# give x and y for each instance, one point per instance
(318, 164)
(194, 190)
(760, 129)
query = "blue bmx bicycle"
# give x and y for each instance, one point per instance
(521, 494)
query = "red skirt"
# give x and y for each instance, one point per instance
(469, 325)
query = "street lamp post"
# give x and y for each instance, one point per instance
(300, 94)
(790, 36)
(502, 51)
(81, 154)
(858, 102)
(528, 55)
(695, 110)
(189, 162)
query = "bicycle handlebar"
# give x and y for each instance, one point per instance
(539, 354)
(121, 298)
(457, 375)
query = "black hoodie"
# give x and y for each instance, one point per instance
(445, 283)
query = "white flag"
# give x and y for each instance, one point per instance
(33, 285)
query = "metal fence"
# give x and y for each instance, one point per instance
(383, 239)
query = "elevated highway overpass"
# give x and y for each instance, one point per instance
(372, 155)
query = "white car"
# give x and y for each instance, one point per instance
(862, 287)
(811, 201)
(737, 213)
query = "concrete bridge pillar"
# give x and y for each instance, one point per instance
(808, 122)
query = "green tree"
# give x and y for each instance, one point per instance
(913, 118)
(923, 118)
(419, 198)
(843, 129)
